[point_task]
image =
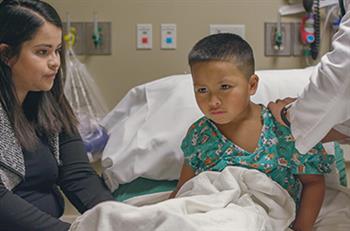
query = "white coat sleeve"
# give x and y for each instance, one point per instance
(325, 102)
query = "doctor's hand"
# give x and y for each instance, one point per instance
(276, 109)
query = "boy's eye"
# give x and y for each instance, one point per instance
(225, 86)
(201, 90)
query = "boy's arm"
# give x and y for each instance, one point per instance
(186, 174)
(311, 201)
(334, 135)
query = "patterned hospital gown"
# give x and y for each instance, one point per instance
(206, 148)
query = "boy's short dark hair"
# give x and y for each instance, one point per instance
(224, 47)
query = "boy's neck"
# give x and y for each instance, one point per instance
(246, 131)
(252, 113)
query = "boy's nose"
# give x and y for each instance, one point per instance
(214, 101)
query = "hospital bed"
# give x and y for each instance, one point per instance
(142, 159)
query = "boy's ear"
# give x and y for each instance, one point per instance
(253, 84)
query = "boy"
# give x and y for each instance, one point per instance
(236, 131)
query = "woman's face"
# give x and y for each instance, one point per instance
(38, 62)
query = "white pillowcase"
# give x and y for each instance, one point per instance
(147, 127)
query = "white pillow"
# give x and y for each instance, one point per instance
(147, 127)
(278, 84)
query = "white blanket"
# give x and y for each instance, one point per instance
(234, 199)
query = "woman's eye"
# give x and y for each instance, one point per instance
(225, 86)
(42, 52)
(59, 50)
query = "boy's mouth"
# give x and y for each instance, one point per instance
(217, 112)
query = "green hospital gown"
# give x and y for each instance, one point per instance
(207, 149)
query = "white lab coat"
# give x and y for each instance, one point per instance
(325, 102)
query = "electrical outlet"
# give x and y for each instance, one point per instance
(79, 45)
(104, 47)
(270, 47)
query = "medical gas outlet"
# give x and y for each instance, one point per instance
(168, 36)
(144, 36)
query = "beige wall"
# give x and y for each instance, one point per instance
(128, 67)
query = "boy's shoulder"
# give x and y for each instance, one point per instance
(270, 119)
(201, 126)
(201, 135)
(274, 130)
(284, 134)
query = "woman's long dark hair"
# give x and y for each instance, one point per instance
(42, 113)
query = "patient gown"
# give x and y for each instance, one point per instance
(207, 149)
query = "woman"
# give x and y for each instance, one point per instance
(40, 148)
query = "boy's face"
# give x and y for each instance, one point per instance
(222, 91)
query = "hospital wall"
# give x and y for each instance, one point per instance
(127, 67)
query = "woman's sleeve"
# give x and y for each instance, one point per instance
(18, 214)
(325, 101)
(79, 182)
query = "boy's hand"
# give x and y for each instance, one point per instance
(277, 106)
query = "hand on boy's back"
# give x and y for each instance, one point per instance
(277, 106)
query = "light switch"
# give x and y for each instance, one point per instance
(168, 36)
(144, 36)
(227, 28)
